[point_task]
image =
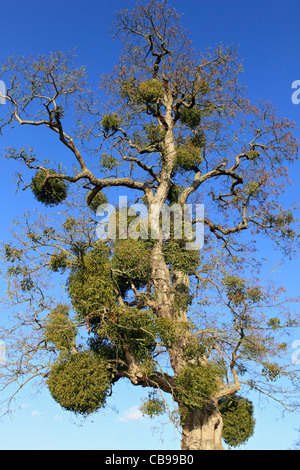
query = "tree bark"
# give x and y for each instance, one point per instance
(201, 430)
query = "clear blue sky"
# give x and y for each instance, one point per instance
(268, 35)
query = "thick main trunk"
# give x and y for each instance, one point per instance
(165, 308)
(202, 430)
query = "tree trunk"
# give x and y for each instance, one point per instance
(201, 430)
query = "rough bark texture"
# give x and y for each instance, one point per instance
(202, 430)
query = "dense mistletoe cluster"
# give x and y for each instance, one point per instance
(237, 413)
(49, 191)
(80, 382)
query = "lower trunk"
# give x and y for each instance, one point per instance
(202, 430)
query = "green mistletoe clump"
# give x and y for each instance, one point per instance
(151, 91)
(49, 191)
(238, 421)
(196, 385)
(80, 382)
